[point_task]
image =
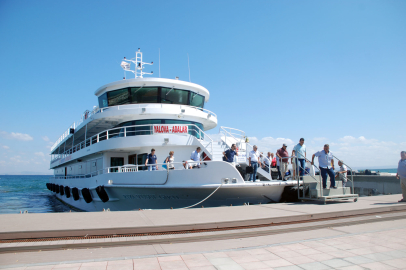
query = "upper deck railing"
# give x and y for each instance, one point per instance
(97, 110)
(127, 131)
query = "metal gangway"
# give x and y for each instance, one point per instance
(313, 186)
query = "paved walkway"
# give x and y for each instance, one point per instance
(379, 245)
(14, 226)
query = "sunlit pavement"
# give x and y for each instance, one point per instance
(379, 245)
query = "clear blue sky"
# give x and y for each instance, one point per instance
(329, 71)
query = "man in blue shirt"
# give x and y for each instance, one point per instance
(401, 174)
(326, 165)
(230, 153)
(300, 152)
(151, 159)
(195, 156)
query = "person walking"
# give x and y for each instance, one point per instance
(401, 174)
(253, 162)
(151, 159)
(283, 160)
(230, 153)
(267, 162)
(326, 165)
(342, 174)
(300, 152)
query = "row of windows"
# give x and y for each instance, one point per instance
(81, 168)
(146, 130)
(135, 95)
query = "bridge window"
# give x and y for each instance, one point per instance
(174, 96)
(137, 95)
(118, 97)
(144, 95)
(196, 100)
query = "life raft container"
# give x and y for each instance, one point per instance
(86, 195)
(67, 192)
(75, 193)
(104, 197)
(61, 191)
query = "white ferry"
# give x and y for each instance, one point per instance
(99, 162)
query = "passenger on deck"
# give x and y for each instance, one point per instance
(342, 174)
(195, 156)
(169, 160)
(283, 160)
(253, 162)
(300, 152)
(230, 153)
(401, 173)
(273, 163)
(326, 164)
(267, 162)
(151, 159)
(278, 167)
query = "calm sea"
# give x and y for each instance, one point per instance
(28, 192)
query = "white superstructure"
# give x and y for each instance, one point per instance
(99, 162)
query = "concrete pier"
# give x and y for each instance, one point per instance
(170, 239)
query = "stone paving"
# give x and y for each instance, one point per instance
(382, 248)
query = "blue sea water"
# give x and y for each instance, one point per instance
(383, 170)
(28, 192)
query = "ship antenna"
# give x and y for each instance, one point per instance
(188, 66)
(139, 65)
(159, 61)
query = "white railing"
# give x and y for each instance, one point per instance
(128, 131)
(96, 110)
(137, 168)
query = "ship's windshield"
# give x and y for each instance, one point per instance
(136, 95)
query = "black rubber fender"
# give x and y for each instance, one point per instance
(67, 191)
(57, 188)
(86, 195)
(75, 193)
(101, 192)
(61, 190)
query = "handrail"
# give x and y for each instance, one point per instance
(226, 132)
(107, 134)
(89, 113)
(304, 169)
(131, 168)
(270, 161)
(320, 180)
(352, 172)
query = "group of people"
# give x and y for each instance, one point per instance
(194, 162)
(298, 159)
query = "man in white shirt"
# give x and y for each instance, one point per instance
(253, 162)
(342, 174)
(267, 162)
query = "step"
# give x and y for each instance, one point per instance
(331, 192)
